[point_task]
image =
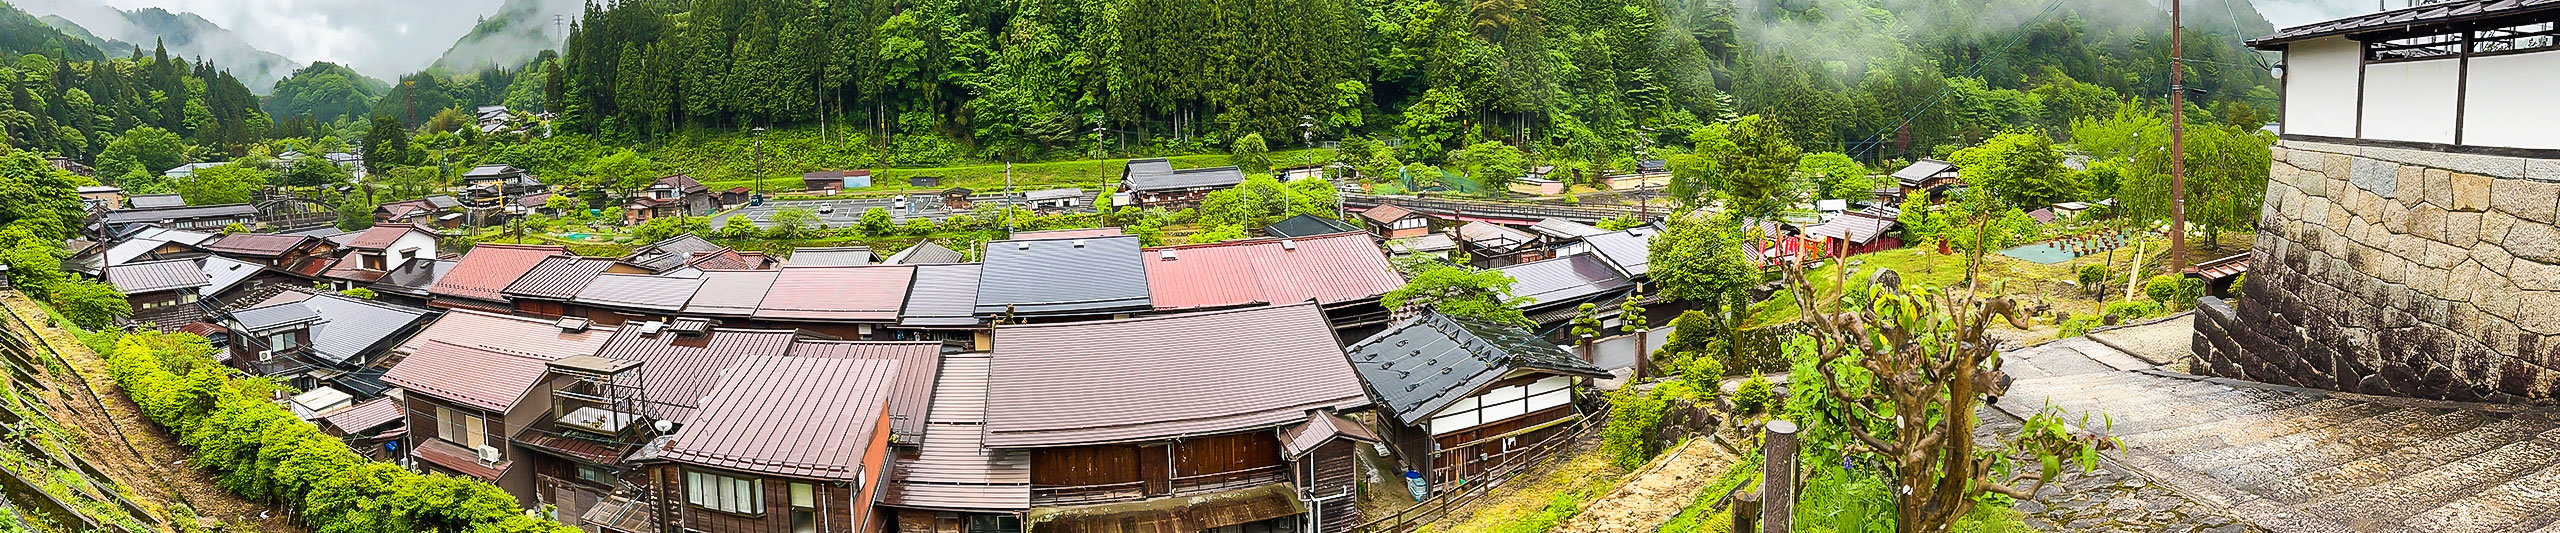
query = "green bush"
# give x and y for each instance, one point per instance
(2077, 326)
(1755, 396)
(1634, 417)
(2091, 276)
(256, 449)
(2173, 291)
(2132, 310)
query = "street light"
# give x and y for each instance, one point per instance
(759, 131)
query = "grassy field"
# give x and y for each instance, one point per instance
(1092, 174)
(2031, 282)
(1542, 500)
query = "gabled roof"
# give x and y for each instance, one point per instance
(910, 395)
(381, 236)
(1386, 213)
(1422, 364)
(954, 469)
(130, 216)
(681, 183)
(677, 370)
(412, 277)
(257, 244)
(155, 276)
(1630, 250)
(1565, 279)
(646, 293)
(941, 296)
(486, 378)
(1307, 226)
(223, 273)
(1063, 277)
(366, 416)
(490, 171)
(856, 293)
(489, 268)
(1489, 235)
(1164, 377)
(831, 256)
(924, 253)
(558, 277)
(1564, 230)
(730, 292)
(1329, 269)
(1920, 171)
(342, 328)
(1299, 439)
(669, 254)
(1159, 175)
(155, 201)
(1854, 228)
(442, 201)
(493, 331)
(799, 417)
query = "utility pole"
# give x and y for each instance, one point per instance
(759, 160)
(1008, 199)
(2177, 143)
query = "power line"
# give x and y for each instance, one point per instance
(1969, 71)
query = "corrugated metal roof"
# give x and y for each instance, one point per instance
(256, 244)
(1420, 365)
(1386, 213)
(1630, 250)
(1166, 376)
(831, 256)
(349, 327)
(1563, 279)
(558, 277)
(1077, 233)
(730, 292)
(954, 469)
(1561, 229)
(486, 378)
(1063, 277)
(366, 416)
(154, 276)
(942, 296)
(676, 371)
(800, 417)
(381, 236)
(511, 333)
(910, 396)
(1298, 439)
(1489, 235)
(1151, 178)
(1855, 228)
(645, 293)
(1329, 269)
(490, 268)
(856, 293)
(668, 254)
(924, 253)
(1307, 226)
(2437, 13)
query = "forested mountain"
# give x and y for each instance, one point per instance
(21, 33)
(324, 92)
(1584, 79)
(120, 33)
(509, 38)
(67, 98)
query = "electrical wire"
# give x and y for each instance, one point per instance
(1969, 71)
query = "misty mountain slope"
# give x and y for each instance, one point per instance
(509, 38)
(22, 33)
(185, 34)
(324, 91)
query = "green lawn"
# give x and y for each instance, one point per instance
(1091, 174)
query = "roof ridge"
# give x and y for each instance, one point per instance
(1148, 318)
(512, 246)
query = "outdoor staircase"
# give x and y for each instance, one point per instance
(2289, 459)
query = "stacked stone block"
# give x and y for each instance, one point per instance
(2398, 272)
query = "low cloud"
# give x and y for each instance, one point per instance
(381, 39)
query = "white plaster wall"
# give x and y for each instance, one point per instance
(2515, 101)
(2411, 100)
(2320, 89)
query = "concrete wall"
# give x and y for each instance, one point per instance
(2511, 101)
(2398, 272)
(2411, 100)
(2320, 87)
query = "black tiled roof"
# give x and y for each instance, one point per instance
(1420, 365)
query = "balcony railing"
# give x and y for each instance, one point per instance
(1181, 485)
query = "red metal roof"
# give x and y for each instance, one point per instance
(489, 268)
(872, 293)
(1165, 377)
(912, 394)
(802, 417)
(677, 370)
(1329, 269)
(480, 377)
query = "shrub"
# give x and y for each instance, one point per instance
(1755, 396)
(1634, 417)
(2132, 310)
(2077, 326)
(2092, 276)
(90, 304)
(2161, 288)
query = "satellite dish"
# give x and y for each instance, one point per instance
(663, 426)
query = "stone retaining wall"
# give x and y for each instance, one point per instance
(2398, 272)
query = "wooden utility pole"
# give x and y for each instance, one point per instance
(2177, 143)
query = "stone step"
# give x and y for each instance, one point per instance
(2241, 402)
(2260, 462)
(2133, 390)
(2517, 504)
(2244, 429)
(2137, 408)
(2059, 361)
(2405, 460)
(2395, 499)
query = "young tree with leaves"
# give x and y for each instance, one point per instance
(1250, 155)
(1458, 291)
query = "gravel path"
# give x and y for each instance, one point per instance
(1654, 493)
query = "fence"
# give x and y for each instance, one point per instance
(1506, 210)
(1437, 507)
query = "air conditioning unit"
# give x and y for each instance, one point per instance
(488, 455)
(266, 354)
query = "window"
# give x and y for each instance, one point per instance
(281, 341)
(594, 474)
(2518, 38)
(457, 427)
(723, 493)
(804, 508)
(373, 261)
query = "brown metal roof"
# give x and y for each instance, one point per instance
(853, 293)
(557, 277)
(366, 416)
(1163, 377)
(646, 293)
(730, 293)
(380, 236)
(676, 370)
(912, 396)
(803, 417)
(1298, 439)
(2434, 14)
(256, 244)
(954, 469)
(510, 333)
(1386, 213)
(154, 276)
(485, 378)
(489, 268)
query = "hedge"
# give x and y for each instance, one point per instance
(260, 451)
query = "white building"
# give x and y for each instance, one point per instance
(2460, 76)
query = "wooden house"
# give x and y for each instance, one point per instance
(479, 279)
(1493, 245)
(465, 381)
(1155, 183)
(1389, 221)
(723, 471)
(673, 195)
(1927, 178)
(301, 256)
(1459, 397)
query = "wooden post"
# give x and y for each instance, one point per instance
(1778, 477)
(1746, 511)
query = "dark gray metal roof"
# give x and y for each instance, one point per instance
(649, 293)
(153, 276)
(1562, 280)
(941, 296)
(669, 254)
(731, 292)
(1159, 175)
(924, 253)
(156, 201)
(1307, 225)
(1630, 250)
(257, 319)
(2438, 13)
(558, 277)
(1420, 365)
(1164, 377)
(350, 328)
(1088, 276)
(413, 277)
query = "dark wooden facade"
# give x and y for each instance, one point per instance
(831, 508)
(1121, 472)
(1468, 453)
(1329, 477)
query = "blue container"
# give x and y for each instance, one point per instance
(1413, 480)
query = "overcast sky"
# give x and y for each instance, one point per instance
(2290, 13)
(381, 38)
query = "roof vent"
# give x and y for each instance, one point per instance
(1289, 245)
(1165, 254)
(1079, 243)
(1024, 245)
(650, 328)
(573, 324)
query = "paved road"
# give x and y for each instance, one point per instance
(848, 211)
(2286, 459)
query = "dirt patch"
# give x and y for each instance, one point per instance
(1654, 493)
(136, 453)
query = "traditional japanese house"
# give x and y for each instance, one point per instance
(1155, 183)
(1436, 246)
(849, 302)
(163, 293)
(313, 341)
(545, 290)
(782, 444)
(369, 254)
(156, 201)
(1343, 272)
(1564, 237)
(1062, 279)
(140, 244)
(1628, 251)
(197, 218)
(367, 426)
(1053, 201)
(614, 299)
(478, 280)
(673, 195)
(1308, 226)
(1555, 289)
(730, 295)
(835, 180)
(502, 179)
(1154, 423)
(1858, 232)
(1493, 245)
(1460, 397)
(465, 381)
(1389, 221)
(1324, 462)
(408, 282)
(953, 483)
(301, 256)
(1928, 179)
(666, 255)
(938, 307)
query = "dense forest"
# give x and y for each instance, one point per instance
(58, 103)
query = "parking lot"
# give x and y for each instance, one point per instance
(838, 213)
